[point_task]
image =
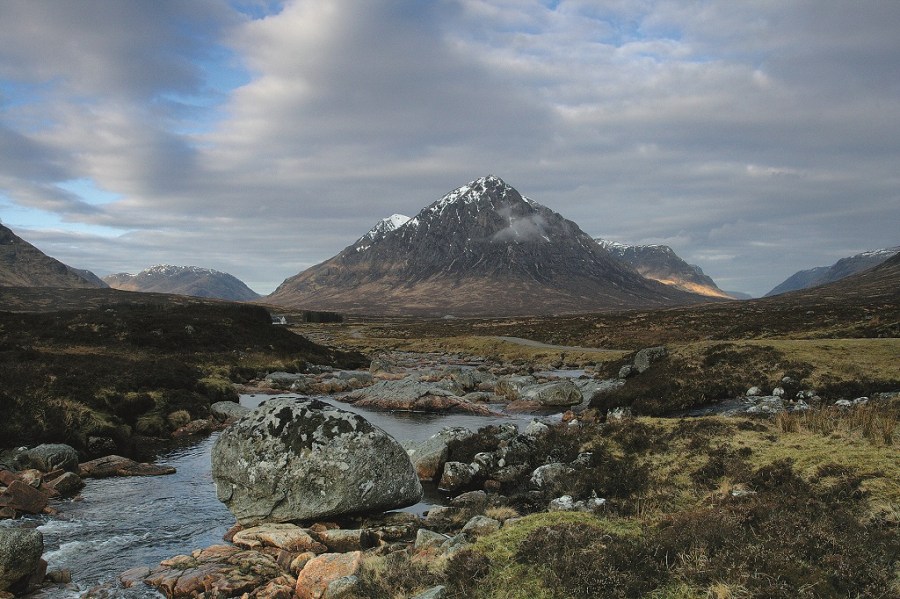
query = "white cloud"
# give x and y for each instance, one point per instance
(749, 134)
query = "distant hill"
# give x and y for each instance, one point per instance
(661, 263)
(184, 280)
(482, 249)
(23, 265)
(844, 267)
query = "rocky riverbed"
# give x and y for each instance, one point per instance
(477, 481)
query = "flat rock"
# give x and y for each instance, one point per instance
(321, 571)
(289, 537)
(115, 465)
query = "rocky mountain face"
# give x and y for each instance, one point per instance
(482, 249)
(844, 267)
(661, 263)
(184, 280)
(23, 265)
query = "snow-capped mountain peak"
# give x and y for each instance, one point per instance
(474, 192)
(386, 225)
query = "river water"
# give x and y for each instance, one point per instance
(123, 523)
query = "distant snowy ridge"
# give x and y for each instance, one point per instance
(184, 280)
(820, 275)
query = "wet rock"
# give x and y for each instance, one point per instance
(428, 457)
(283, 380)
(554, 394)
(217, 571)
(511, 387)
(20, 556)
(49, 457)
(68, 484)
(321, 571)
(23, 498)
(456, 475)
(227, 410)
(289, 537)
(116, 465)
(295, 460)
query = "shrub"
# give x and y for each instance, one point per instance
(584, 561)
(178, 419)
(465, 570)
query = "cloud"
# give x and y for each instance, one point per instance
(261, 137)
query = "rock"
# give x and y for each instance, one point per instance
(753, 392)
(554, 394)
(227, 410)
(217, 571)
(567, 504)
(31, 477)
(283, 380)
(67, 484)
(473, 500)
(511, 387)
(20, 555)
(647, 356)
(279, 588)
(446, 517)
(194, 427)
(116, 465)
(619, 414)
(22, 497)
(319, 572)
(101, 446)
(552, 478)
(479, 526)
(438, 592)
(49, 457)
(799, 406)
(294, 460)
(428, 457)
(536, 429)
(860, 400)
(343, 587)
(592, 389)
(380, 365)
(289, 537)
(340, 540)
(767, 405)
(414, 395)
(626, 371)
(456, 476)
(428, 538)
(778, 392)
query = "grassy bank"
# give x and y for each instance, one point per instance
(126, 372)
(714, 507)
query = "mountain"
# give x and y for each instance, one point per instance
(184, 280)
(661, 263)
(482, 249)
(23, 265)
(827, 274)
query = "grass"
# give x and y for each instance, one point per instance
(736, 508)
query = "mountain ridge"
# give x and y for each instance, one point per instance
(193, 281)
(24, 265)
(661, 263)
(482, 249)
(821, 275)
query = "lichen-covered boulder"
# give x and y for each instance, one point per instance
(20, 554)
(302, 459)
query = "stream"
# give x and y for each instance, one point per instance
(123, 523)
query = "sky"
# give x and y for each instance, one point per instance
(261, 137)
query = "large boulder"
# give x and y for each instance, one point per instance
(49, 457)
(428, 457)
(302, 459)
(555, 394)
(20, 554)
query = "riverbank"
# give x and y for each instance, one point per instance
(664, 508)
